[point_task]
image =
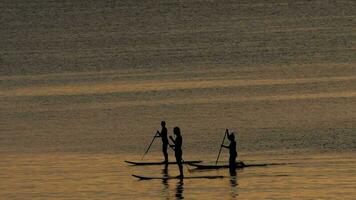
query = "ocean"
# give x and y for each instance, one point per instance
(84, 86)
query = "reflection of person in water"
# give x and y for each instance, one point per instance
(177, 145)
(165, 181)
(233, 184)
(180, 189)
(233, 153)
(163, 134)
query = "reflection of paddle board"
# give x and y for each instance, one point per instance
(175, 177)
(162, 163)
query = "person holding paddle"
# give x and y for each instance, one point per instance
(177, 146)
(232, 151)
(163, 134)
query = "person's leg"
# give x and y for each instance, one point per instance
(180, 165)
(232, 172)
(165, 170)
(232, 165)
(165, 153)
(181, 169)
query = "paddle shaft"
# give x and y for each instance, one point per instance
(153, 139)
(217, 159)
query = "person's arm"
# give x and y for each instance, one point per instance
(226, 146)
(174, 142)
(158, 134)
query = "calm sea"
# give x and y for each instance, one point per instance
(84, 86)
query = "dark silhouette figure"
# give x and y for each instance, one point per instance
(177, 146)
(233, 153)
(163, 134)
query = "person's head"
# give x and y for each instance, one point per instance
(163, 123)
(231, 137)
(176, 131)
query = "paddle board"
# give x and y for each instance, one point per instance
(212, 166)
(174, 177)
(161, 163)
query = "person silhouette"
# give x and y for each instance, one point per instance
(177, 146)
(163, 134)
(232, 151)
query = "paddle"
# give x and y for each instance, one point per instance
(153, 139)
(226, 132)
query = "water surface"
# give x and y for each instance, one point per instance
(85, 85)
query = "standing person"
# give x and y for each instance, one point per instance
(163, 134)
(233, 153)
(177, 146)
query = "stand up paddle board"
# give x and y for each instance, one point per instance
(174, 177)
(161, 163)
(239, 165)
